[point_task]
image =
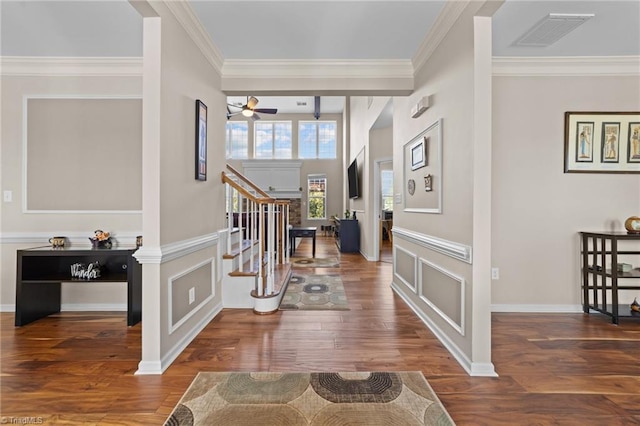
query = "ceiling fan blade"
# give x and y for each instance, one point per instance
(252, 102)
(234, 105)
(255, 117)
(267, 110)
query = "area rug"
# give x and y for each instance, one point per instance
(314, 292)
(292, 399)
(314, 262)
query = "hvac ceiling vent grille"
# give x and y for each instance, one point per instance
(552, 28)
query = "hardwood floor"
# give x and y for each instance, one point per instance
(562, 369)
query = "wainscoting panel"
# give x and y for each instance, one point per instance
(444, 292)
(198, 280)
(405, 267)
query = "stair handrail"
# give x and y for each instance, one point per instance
(249, 182)
(273, 250)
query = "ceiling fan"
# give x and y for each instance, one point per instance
(249, 109)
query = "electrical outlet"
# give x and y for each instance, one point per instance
(7, 196)
(495, 273)
(192, 295)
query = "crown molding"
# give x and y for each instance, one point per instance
(567, 66)
(70, 66)
(451, 11)
(248, 68)
(187, 18)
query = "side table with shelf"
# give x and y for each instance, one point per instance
(601, 280)
(41, 271)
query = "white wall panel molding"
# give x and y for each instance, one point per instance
(75, 239)
(411, 283)
(459, 327)
(566, 66)
(187, 18)
(211, 261)
(175, 250)
(473, 369)
(458, 251)
(158, 367)
(70, 66)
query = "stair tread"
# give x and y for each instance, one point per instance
(238, 247)
(281, 276)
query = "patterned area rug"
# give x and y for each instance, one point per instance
(292, 399)
(314, 262)
(314, 292)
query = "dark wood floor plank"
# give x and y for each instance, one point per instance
(77, 368)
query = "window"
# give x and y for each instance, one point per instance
(273, 139)
(237, 139)
(386, 180)
(317, 139)
(317, 197)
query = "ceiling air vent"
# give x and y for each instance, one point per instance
(551, 29)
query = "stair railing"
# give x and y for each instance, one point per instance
(258, 217)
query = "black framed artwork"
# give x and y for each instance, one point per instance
(201, 140)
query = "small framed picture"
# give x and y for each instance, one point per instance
(201, 140)
(633, 145)
(419, 153)
(428, 183)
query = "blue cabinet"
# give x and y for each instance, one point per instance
(348, 235)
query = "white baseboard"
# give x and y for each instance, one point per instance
(159, 366)
(472, 368)
(539, 309)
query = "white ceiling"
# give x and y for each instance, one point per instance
(306, 29)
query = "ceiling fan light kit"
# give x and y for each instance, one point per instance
(249, 109)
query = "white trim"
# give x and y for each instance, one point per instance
(25, 101)
(158, 367)
(211, 261)
(542, 308)
(414, 287)
(457, 327)
(447, 17)
(566, 66)
(8, 307)
(437, 126)
(75, 238)
(187, 18)
(317, 69)
(473, 369)
(175, 250)
(30, 66)
(453, 249)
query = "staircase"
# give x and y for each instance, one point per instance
(256, 267)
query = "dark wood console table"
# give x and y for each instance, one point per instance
(41, 270)
(294, 233)
(601, 281)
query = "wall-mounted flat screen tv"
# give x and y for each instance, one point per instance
(352, 176)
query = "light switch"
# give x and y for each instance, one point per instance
(398, 199)
(7, 196)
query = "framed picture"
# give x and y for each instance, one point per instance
(419, 153)
(633, 143)
(201, 140)
(428, 183)
(602, 142)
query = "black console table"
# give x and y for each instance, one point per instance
(294, 233)
(41, 271)
(601, 280)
